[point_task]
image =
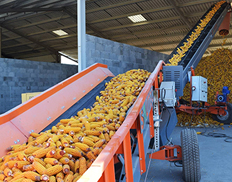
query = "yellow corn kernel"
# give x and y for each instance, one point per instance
(101, 136)
(64, 142)
(74, 129)
(51, 161)
(76, 178)
(111, 134)
(40, 161)
(2, 177)
(20, 164)
(44, 177)
(60, 175)
(66, 169)
(32, 175)
(39, 167)
(31, 149)
(82, 146)
(68, 178)
(51, 153)
(99, 143)
(107, 137)
(41, 139)
(59, 154)
(42, 152)
(48, 166)
(52, 179)
(64, 160)
(90, 155)
(83, 166)
(72, 165)
(87, 141)
(35, 135)
(53, 170)
(8, 172)
(29, 167)
(90, 132)
(76, 166)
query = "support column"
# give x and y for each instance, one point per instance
(81, 23)
(0, 42)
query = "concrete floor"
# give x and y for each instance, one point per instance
(215, 159)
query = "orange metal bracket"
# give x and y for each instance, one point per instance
(167, 152)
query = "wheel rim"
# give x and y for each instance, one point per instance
(225, 117)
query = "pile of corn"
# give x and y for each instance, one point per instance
(66, 151)
(194, 35)
(217, 69)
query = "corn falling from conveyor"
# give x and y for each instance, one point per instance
(98, 138)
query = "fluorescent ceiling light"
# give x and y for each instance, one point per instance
(60, 32)
(137, 18)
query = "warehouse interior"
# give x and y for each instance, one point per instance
(112, 119)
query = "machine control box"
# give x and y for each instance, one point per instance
(199, 89)
(167, 93)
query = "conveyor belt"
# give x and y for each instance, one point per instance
(196, 51)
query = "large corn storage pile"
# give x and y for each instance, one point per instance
(217, 68)
(66, 151)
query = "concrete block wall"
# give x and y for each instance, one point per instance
(22, 76)
(120, 57)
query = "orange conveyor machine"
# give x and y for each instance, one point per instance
(63, 99)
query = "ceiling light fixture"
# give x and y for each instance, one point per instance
(137, 18)
(60, 32)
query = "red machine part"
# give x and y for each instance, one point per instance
(167, 152)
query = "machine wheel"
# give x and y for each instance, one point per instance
(227, 119)
(190, 156)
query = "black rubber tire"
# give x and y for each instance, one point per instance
(223, 119)
(190, 156)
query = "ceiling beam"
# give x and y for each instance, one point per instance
(151, 11)
(149, 22)
(53, 51)
(98, 33)
(181, 14)
(20, 10)
(113, 5)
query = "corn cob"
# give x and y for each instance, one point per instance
(31, 149)
(90, 132)
(111, 134)
(2, 177)
(54, 129)
(76, 178)
(32, 175)
(74, 152)
(17, 180)
(7, 179)
(82, 146)
(52, 179)
(99, 143)
(66, 169)
(60, 175)
(42, 152)
(89, 163)
(53, 170)
(35, 135)
(101, 136)
(64, 160)
(21, 156)
(68, 178)
(76, 166)
(83, 166)
(59, 154)
(48, 166)
(87, 141)
(50, 154)
(74, 129)
(59, 145)
(20, 164)
(28, 167)
(90, 155)
(51, 161)
(40, 161)
(64, 142)
(72, 165)
(11, 164)
(107, 137)
(39, 167)
(41, 139)
(44, 177)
